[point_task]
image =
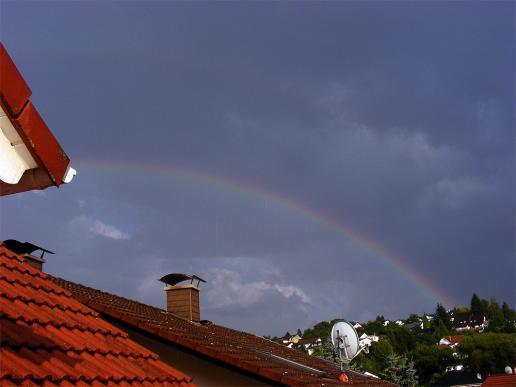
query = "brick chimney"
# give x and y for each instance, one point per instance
(183, 299)
(35, 262)
(26, 250)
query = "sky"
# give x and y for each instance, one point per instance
(309, 160)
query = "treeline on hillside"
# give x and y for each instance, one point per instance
(412, 357)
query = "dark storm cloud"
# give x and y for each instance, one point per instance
(394, 119)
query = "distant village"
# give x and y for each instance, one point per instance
(433, 349)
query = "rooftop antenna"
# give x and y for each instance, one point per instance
(345, 342)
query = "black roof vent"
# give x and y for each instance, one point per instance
(24, 248)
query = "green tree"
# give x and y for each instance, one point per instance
(412, 318)
(401, 338)
(508, 313)
(328, 353)
(441, 316)
(484, 307)
(363, 363)
(476, 305)
(462, 309)
(495, 316)
(509, 319)
(488, 353)
(440, 330)
(380, 353)
(479, 305)
(374, 327)
(426, 322)
(431, 361)
(400, 371)
(321, 329)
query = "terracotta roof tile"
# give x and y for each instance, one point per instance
(454, 339)
(48, 337)
(501, 380)
(243, 350)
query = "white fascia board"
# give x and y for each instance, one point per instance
(15, 158)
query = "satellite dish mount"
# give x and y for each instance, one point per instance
(345, 342)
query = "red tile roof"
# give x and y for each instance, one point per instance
(454, 339)
(239, 349)
(501, 380)
(47, 336)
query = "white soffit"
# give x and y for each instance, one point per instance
(15, 158)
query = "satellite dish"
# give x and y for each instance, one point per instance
(345, 341)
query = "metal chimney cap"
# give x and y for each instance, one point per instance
(174, 278)
(24, 248)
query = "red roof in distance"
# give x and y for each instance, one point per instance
(500, 380)
(454, 339)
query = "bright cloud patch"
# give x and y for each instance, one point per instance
(228, 289)
(98, 228)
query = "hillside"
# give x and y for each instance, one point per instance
(419, 350)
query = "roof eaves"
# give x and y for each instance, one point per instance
(52, 162)
(14, 91)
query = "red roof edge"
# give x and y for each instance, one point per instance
(41, 142)
(14, 96)
(14, 91)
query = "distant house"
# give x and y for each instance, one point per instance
(414, 325)
(295, 339)
(454, 368)
(468, 321)
(285, 339)
(386, 322)
(289, 339)
(366, 341)
(399, 323)
(310, 344)
(357, 325)
(450, 341)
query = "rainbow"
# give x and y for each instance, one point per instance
(401, 265)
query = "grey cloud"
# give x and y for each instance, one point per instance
(394, 120)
